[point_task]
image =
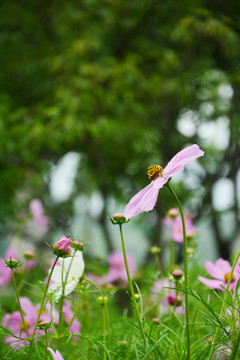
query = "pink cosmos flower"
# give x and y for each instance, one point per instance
(220, 271)
(37, 211)
(117, 270)
(146, 199)
(5, 272)
(56, 355)
(68, 315)
(177, 229)
(14, 323)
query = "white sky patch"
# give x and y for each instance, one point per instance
(225, 91)
(223, 194)
(63, 175)
(215, 132)
(186, 124)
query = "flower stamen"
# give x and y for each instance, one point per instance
(154, 172)
(226, 277)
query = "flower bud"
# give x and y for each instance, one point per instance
(190, 251)
(12, 263)
(123, 343)
(102, 300)
(156, 320)
(173, 300)
(155, 250)
(177, 274)
(62, 247)
(77, 245)
(44, 325)
(137, 297)
(29, 255)
(118, 219)
(173, 213)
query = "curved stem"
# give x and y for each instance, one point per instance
(41, 307)
(185, 269)
(222, 310)
(105, 308)
(131, 288)
(19, 304)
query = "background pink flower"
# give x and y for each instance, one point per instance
(36, 208)
(117, 270)
(220, 272)
(68, 315)
(177, 229)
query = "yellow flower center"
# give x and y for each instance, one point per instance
(154, 172)
(226, 277)
(22, 326)
(73, 278)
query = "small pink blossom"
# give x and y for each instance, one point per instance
(161, 288)
(220, 271)
(37, 211)
(177, 228)
(146, 199)
(56, 355)
(62, 247)
(117, 270)
(5, 272)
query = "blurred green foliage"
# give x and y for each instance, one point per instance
(109, 80)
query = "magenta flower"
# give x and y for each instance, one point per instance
(177, 228)
(220, 271)
(68, 315)
(117, 270)
(37, 211)
(56, 355)
(146, 199)
(160, 289)
(62, 247)
(5, 272)
(14, 323)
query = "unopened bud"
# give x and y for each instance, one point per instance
(123, 343)
(173, 300)
(173, 213)
(156, 320)
(118, 219)
(177, 273)
(12, 263)
(62, 247)
(29, 255)
(155, 250)
(102, 300)
(137, 297)
(44, 325)
(190, 251)
(77, 245)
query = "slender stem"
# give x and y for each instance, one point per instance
(171, 258)
(41, 307)
(131, 288)
(235, 348)
(46, 354)
(158, 263)
(105, 308)
(19, 304)
(222, 310)
(185, 270)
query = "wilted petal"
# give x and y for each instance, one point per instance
(183, 158)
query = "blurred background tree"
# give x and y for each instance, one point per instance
(124, 85)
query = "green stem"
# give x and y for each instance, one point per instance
(171, 259)
(19, 304)
(46, 354)
(185, 270)
(222, 310)
(131, 288)
(236, 345)
(41, 307)
(105, 309)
